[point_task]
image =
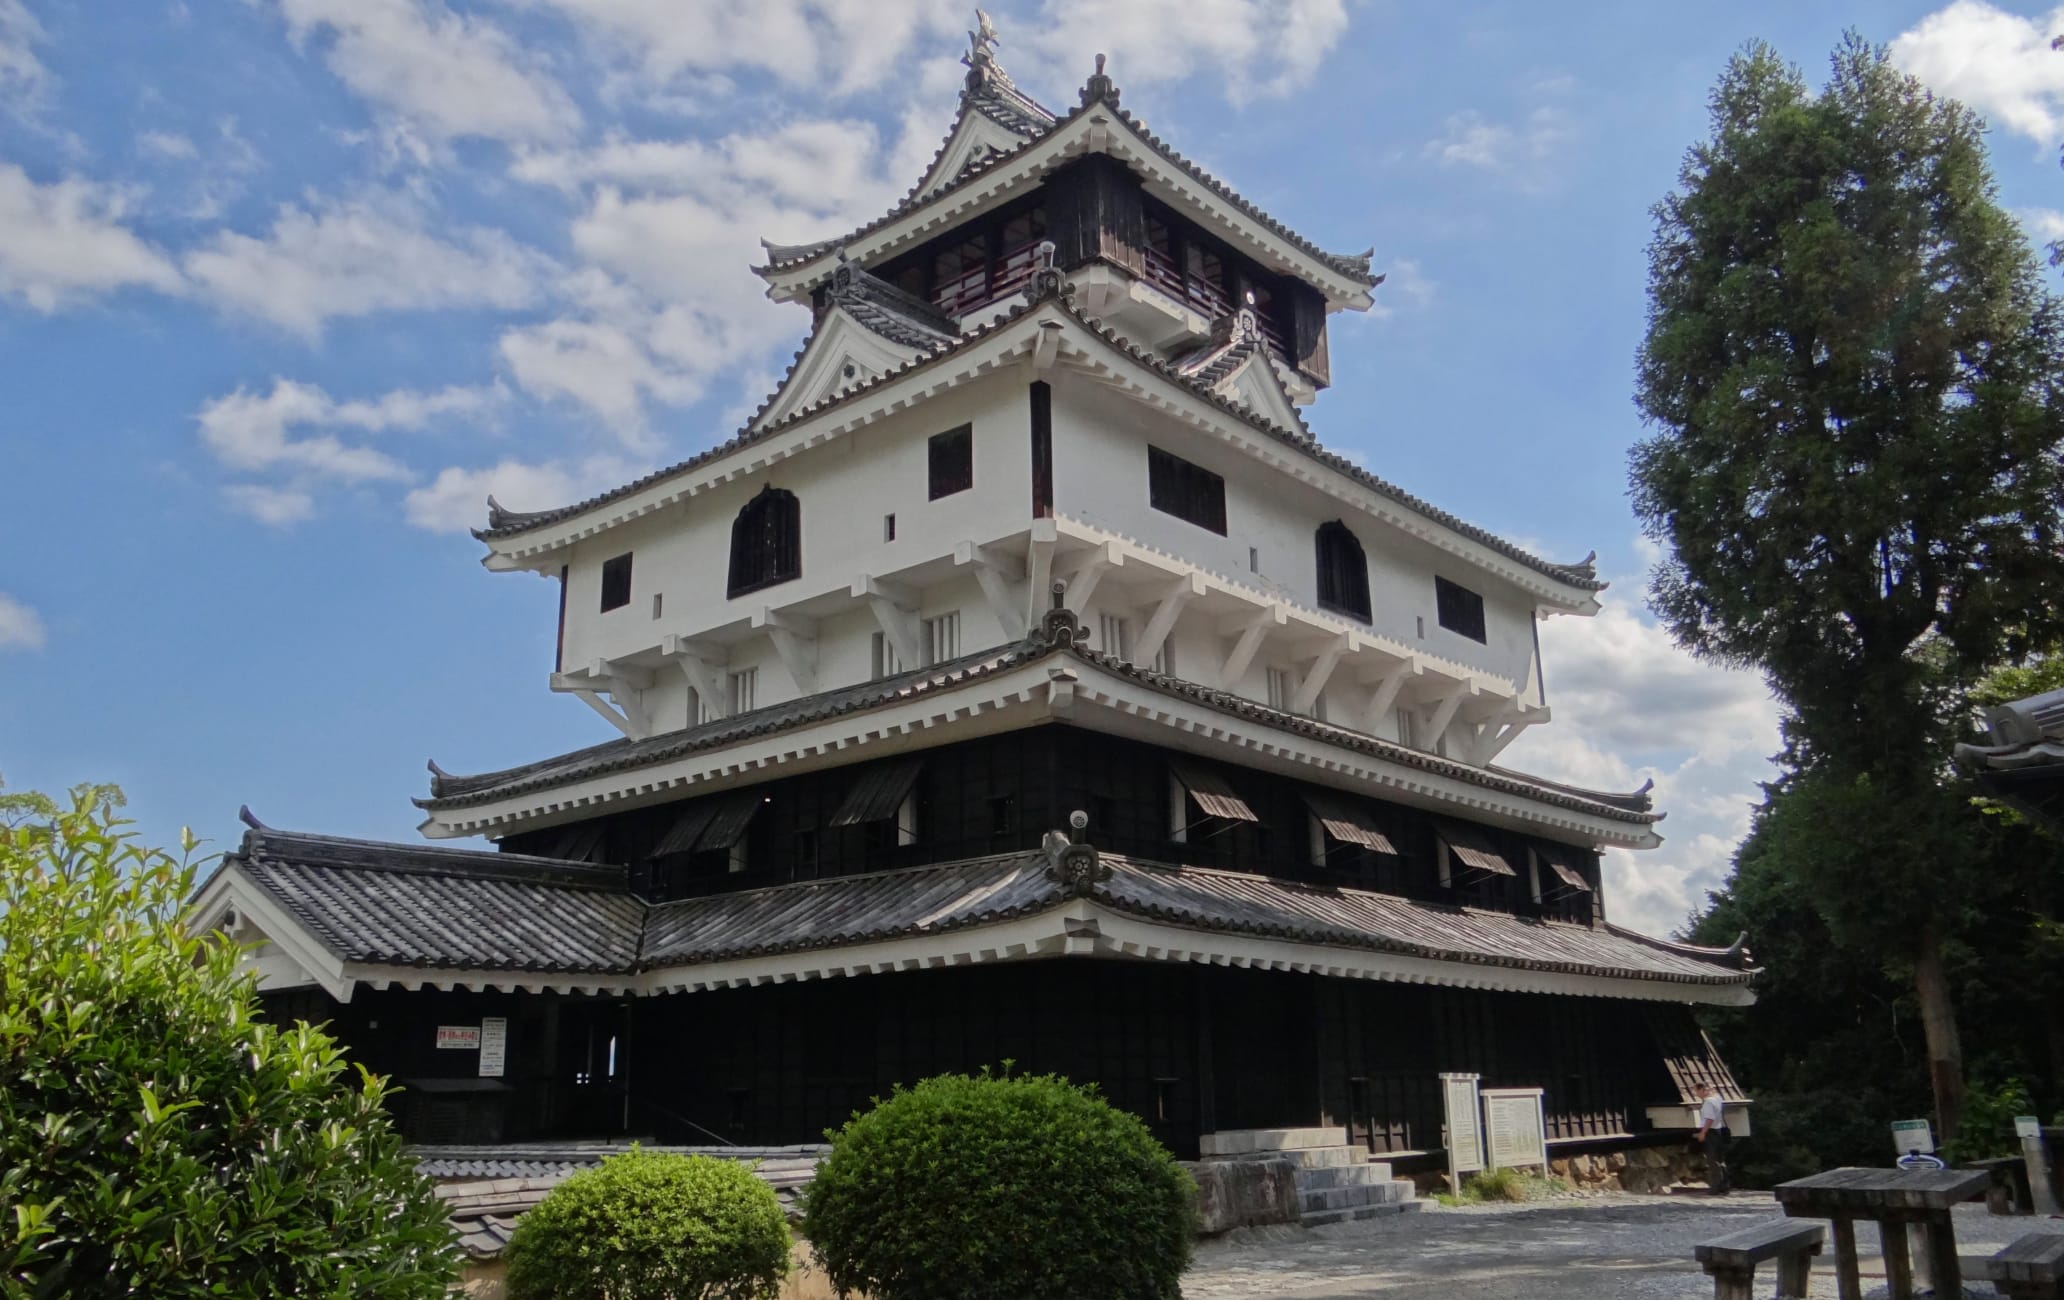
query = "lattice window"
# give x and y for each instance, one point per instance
(1343, 571)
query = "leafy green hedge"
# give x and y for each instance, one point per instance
(1026, 1187)
(157, 1138)
(644, 1226)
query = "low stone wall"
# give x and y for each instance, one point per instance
(485, 1279)
(1646, 1169)
(1243, 1193)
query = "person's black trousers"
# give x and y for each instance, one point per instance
(1716, 1160)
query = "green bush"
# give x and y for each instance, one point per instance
(1026, 1187)
(156, 1137)
(1988, 1122)
(644, 1226)
(1496, 1185)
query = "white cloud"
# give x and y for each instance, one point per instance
(443, 75)
(22, 76)
(1251, 47)
(65, 241)
(1405, 284)
(256, 431)
(1997, 62)
(166, 144)
(354, 259)
(280, 507)
(1518, 150)
(456, 499)
(840, 45)
(20, 627)
(2044, 225)
(1630, 706)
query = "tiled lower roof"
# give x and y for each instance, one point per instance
(425, 905)
(485, 921)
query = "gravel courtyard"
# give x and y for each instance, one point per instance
(1613, 1247)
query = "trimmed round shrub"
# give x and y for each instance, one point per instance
(646, 1226)
(157, 1138)
(1026, 1187)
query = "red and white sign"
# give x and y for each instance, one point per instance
(458, 1038)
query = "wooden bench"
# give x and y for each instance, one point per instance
(1732, 1260)
(2030, 1269)
(2009, 1191)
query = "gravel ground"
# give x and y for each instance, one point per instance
(1618, 1246)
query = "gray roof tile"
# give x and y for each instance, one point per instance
(415, 911)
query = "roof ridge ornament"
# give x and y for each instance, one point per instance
(1046, 280)
(1077, 868)
(1060, 626)
(980, 60)
(1099, 87)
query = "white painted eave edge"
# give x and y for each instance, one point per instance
(230, 888)
(1074, 928)
(536, 549)
(837, 334)
(1042, 691)
(1098, 132)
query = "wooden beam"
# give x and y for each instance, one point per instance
(1315, 676)
(1086, 570)
(702, 673)
(1178, 594)
(620, 721)
(1039, 558)
(895, 612)
(1250, 641)
(1444, 713)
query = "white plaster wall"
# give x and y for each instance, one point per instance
(1100, 477)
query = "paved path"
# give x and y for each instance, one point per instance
(1610, 1248)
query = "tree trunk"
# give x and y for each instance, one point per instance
(1938, 1022)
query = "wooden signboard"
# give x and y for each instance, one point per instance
(1465, 1128)
(494, 1046)
(1518, 1130)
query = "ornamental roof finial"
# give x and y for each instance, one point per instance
(1099, 87)
(981, 56)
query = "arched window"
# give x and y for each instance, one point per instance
(766, 542)
(1343, 571)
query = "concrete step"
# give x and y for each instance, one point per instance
(1236, 1142)
(1344, 1175)
(1314, 1199)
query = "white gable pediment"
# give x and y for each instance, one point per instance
(975, 136)
(1254, 384)
(841, 354)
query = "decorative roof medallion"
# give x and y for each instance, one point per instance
(1046, 280)
(1099, 87)
(1060, 626)
(1076, 867)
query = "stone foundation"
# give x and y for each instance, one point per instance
(1243, 1193)
(1647, 1170)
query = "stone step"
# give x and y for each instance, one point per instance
(1235, 1142)
(1320, 1218)
(1307, 1157)
(1313, 1199)
(1344, 1175)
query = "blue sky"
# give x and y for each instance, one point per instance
(287, 286)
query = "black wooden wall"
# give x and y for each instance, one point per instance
(1000, 794)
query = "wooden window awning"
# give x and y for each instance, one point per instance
(1472, 848)
(687, 828)
(880, 791)
(1557, 856)
(1213, 797)
(1347, 823)
(727, 825)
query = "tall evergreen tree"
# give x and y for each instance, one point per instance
(1854, 379)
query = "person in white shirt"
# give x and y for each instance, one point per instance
(1712, 1138)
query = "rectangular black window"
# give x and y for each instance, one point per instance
(616, 582)
(1176, 487)
(1003, 814)
(952, 461)
(1460, 609)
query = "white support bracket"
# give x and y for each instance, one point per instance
(1177, 594)
(795, 640)
(895, 611)
(625, 687)
(1444, 713)
(1315, 677)
(1085, 570)
(996, 572)
(1048, 346)
(1501, 731)
(703, 671)
(1385, 694)
(1253, 631)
